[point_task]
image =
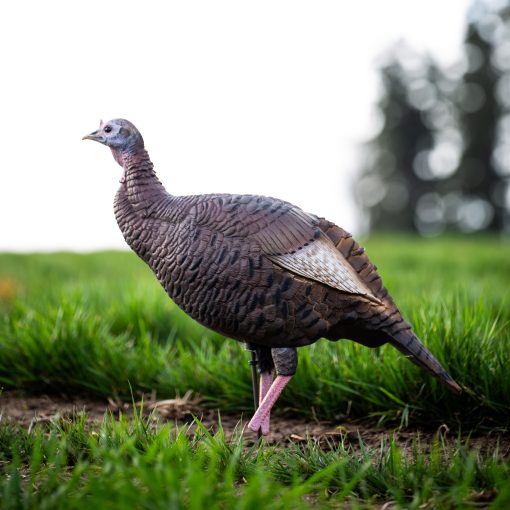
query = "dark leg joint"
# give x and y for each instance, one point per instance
(265, 359)
(285, 360)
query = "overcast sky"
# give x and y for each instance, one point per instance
(262, 97)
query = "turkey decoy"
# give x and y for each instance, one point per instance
(256, 269)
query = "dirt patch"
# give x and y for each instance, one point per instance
(28, 410)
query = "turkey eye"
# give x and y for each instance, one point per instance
(107, 129)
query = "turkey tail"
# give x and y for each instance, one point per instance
(410, 345)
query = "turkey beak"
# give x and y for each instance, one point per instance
(96, 136)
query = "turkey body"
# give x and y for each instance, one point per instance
(256, 269)
(215, 257)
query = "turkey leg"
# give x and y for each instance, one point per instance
(285, 362)
(266, 379)
(266, 367)
(255, 356)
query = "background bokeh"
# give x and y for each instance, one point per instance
(441, 160)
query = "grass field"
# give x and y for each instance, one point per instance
(100, 325)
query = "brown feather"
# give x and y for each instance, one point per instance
(259, 269)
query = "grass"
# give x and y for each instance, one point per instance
(99, 324)
(137, 463)
(91, 323)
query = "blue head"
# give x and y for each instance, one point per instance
(118, 134)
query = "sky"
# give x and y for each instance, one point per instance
(268, 97)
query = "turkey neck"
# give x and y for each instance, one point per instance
(142, 187)
(140, 196)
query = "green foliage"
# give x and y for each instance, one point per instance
(136, 463)
(99, 323)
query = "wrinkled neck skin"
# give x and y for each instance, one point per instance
(139, 181)
(117, 156)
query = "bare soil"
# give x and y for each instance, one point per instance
(27, 410)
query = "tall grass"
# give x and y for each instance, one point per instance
(92, 323)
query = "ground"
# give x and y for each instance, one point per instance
(27, 410)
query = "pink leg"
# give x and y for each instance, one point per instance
(269, 401)
(266, 379)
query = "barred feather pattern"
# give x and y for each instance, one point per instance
(234, 263)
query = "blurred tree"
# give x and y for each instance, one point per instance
(494, 28)
(479, 111)
(442, 157)
(396, 174)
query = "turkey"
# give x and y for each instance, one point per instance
(256, 269)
